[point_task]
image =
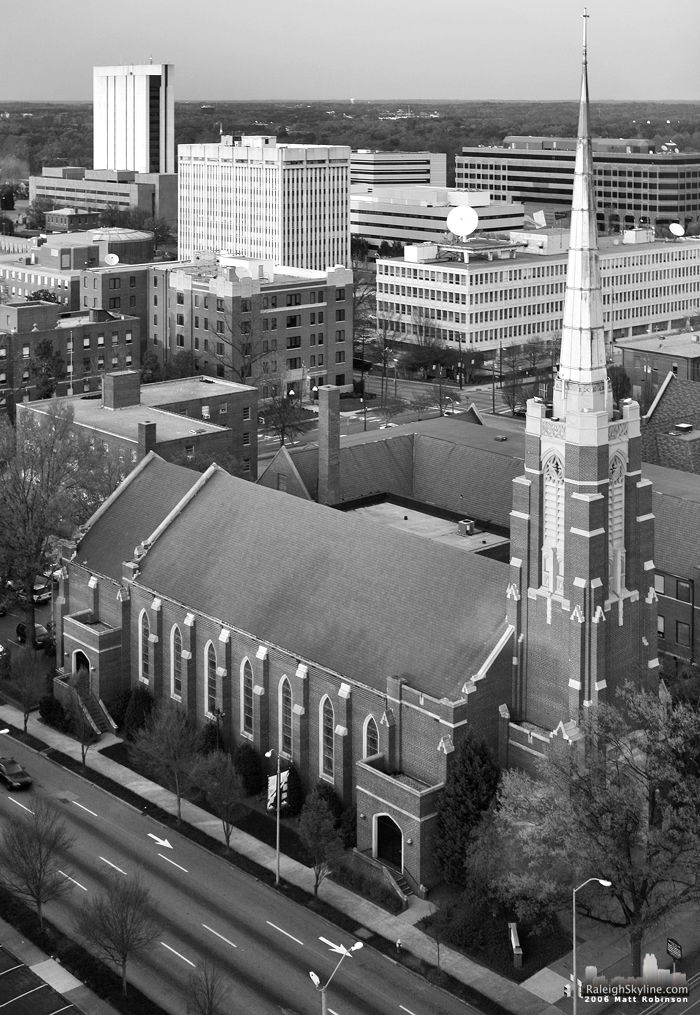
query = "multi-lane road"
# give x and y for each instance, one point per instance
(264, 944)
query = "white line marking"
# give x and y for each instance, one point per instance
(285, 933)
(64, 1008)
(73, 880)
(212, 931)
(85, 809)
(174, 865)
(178, 954)
(406, 1009)
(327, 942)
(113, 865)
(331, 1012)
(40, 987)
(20, 805)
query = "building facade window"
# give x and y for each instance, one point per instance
(616, 525)
(326, 738)
(246, 698)
(371, 737)
(285, 718)
(144, 658)
(661, 625)
(210, 682)
(553, 544)
(683, 633)
(176, 663)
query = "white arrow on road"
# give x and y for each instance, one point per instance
(161, 842)
(340, 949)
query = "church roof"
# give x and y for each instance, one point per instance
(345, 593)
(131, 514)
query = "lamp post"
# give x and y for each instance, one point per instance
(278, 796)
(339, 950)
(218, 716)
(438, 367)
(605, 884)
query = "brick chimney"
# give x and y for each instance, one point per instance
(147, 438)
(328, 444)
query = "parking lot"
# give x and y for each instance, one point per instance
(22, 992)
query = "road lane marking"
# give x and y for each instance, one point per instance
(85, 809)
(173, 863)
(65, 1007)
(178, 955)
(285, 933)
(161, 842)
(331, 1012)
(73, 880)
(406, 1009)
(20, 805)
(113, 865)
(212, 931)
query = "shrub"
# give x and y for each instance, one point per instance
(118, 706)
(248, 764)
(137, 711)
(348, 826)
(52, 712)
(326, 792)
(207, 739)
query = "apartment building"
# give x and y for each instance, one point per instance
(634, 185)
(285, 203)
(418, 214)
(372, 168)
(504, 293)
(134, 118)
(251, 320)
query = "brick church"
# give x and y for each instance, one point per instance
(363, 653)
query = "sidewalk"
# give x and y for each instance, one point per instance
(51, 972)
(542, 994)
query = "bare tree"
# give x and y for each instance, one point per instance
(207, 992)
(119, 922)
(77, 714)
(216, 776)
(239, 342)
(32, 849)
(166, 747)
(29, 680)
(284, 413)
(321, 839)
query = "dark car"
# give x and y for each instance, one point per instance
(13, 775)
(41, 635)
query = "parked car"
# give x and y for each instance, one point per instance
(13, 775)
(42, 590)
(387, 426)
(41, 635)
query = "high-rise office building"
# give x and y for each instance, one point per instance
(134, 118)
(288, 203)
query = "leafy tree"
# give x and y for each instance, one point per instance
(151, 370)
(138, 711)
(620, 383)
(45, 295)
(7, 226)
(32, 854)
(359, 248)
(179, 365)
(119, 922)
(207, 991)
(622, 804)
(320, 836)
(36, 212)
(471, 785)
(29, 678)
(216, 776)
(48, 367)
(162, 233)
(166, 747)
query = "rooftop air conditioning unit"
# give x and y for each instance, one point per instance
(683, 427)
(465, 527)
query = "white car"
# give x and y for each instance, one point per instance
(385, 426)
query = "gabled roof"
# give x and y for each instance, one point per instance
(343, 592)
(132, 513)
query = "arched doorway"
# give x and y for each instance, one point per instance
(389, 842)
(80, 662)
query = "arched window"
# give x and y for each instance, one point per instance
(371, 737)
(285, 718)
(176, 662)
(553, 534)
(326, 736)
(144, 658)
(616, 525)
(210, 681)
(246, 698)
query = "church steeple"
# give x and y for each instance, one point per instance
(582, 380)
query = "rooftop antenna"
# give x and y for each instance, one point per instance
(150, 59)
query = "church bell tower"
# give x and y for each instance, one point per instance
(581, 597)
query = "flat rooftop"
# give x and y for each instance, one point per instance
(428, 526)
(188, 387)
(687, 345)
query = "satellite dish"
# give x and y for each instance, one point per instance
(112, 259)
(462, 220)
(677, 229)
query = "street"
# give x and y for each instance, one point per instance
(264, 943)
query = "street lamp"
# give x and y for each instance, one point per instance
(438, 367)
(339, 950)
(218, 716)
(605, 884)
(278, 795)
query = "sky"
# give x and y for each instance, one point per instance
(362, 49)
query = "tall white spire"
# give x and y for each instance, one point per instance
(582, 372)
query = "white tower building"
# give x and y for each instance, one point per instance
(134, 118)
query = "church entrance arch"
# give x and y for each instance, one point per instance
(388, 842)
(80, 662)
